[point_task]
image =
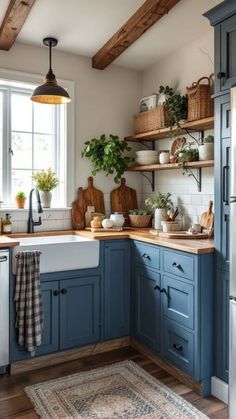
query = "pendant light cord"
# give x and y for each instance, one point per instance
(50, 56)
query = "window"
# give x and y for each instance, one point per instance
(32, 138)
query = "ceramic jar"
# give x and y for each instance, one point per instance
(206, 151)
(164, 157)
(107, 223)
(96, 222)
(118, 219)
(160, 215)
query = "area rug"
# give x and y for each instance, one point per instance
(119, 391)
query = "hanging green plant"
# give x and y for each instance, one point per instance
(108, 155)
(177, 110)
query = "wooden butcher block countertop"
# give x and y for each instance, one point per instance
(191, 245)
(197, 246)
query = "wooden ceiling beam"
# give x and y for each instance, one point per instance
(148, 14)
(13, 21)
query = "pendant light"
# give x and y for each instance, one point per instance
(50, 92)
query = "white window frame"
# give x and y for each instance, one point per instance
(33, 79)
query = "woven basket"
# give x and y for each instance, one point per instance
(200, 104)
(150, 120)
(140, 221)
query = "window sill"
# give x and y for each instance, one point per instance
(13, 209)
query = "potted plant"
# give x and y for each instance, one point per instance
(165, 92)
(161, 203)
(108, 154)
(177, 110)
(206, 150)
(20, 200)
(188, 154)
(140, 218)
(46, 181)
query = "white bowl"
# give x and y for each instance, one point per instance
(146, 153)
(148, 160)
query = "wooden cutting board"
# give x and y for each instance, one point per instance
(94, 197)
(123, 199)
(78, 211)
(207, 218)
(183, 235)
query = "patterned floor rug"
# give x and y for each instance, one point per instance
(119, 391)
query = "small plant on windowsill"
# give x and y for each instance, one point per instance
(108, 155)
(46, 181)
(20, 200)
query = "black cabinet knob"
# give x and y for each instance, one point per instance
(56, 293)
(221, 75)
(64, 291)
(178, 347)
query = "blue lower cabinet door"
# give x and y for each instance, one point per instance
(178, 301)
(79, 311)
(147, 308)
(117, 289)
(50, 298)
(178, 346)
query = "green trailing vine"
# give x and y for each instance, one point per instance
(108, 155)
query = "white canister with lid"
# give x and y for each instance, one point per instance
(164, 157)
(118, 219)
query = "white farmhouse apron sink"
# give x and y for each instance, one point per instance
(60, 253)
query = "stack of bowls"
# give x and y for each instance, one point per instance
(146, 157)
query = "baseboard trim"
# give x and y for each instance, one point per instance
(219, 389)
(69, 355)
(175, 372)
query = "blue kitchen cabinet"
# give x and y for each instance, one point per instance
(79, 311)
(173, 308)
(50, 343)
(147, 307)
(223, 18)
(116, 289)
(71, 310)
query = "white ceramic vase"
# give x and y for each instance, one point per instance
(160, 214)
(206, 151)
(46, 199)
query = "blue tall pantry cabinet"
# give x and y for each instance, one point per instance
(223, 18)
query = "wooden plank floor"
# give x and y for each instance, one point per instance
(15, 404)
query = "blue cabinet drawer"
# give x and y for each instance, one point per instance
(178, 302)
(178, 346)
(147, 255)
(178, 264)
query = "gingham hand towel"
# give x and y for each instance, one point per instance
(28, 300)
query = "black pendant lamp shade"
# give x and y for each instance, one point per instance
(50, 92)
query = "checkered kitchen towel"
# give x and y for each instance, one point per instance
(28, 300)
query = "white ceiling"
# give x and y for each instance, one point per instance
(83, 26)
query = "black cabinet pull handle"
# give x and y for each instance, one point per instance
(56, 293)
(64, 291)
(176, 265)
(225, 184)
(221, 75)
(178, 347)
(3, 258)
(161, 290)
(145, 256)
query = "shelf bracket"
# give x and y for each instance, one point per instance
(150, 180)
(197, 178)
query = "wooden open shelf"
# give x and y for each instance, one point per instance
(153, 167)
(200, 125)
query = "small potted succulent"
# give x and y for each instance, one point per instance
(140, 218)
(20, 200)
(206, 150)
(46, 181)
(161, 203)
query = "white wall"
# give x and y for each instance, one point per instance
(105, 101)
(180, 70)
